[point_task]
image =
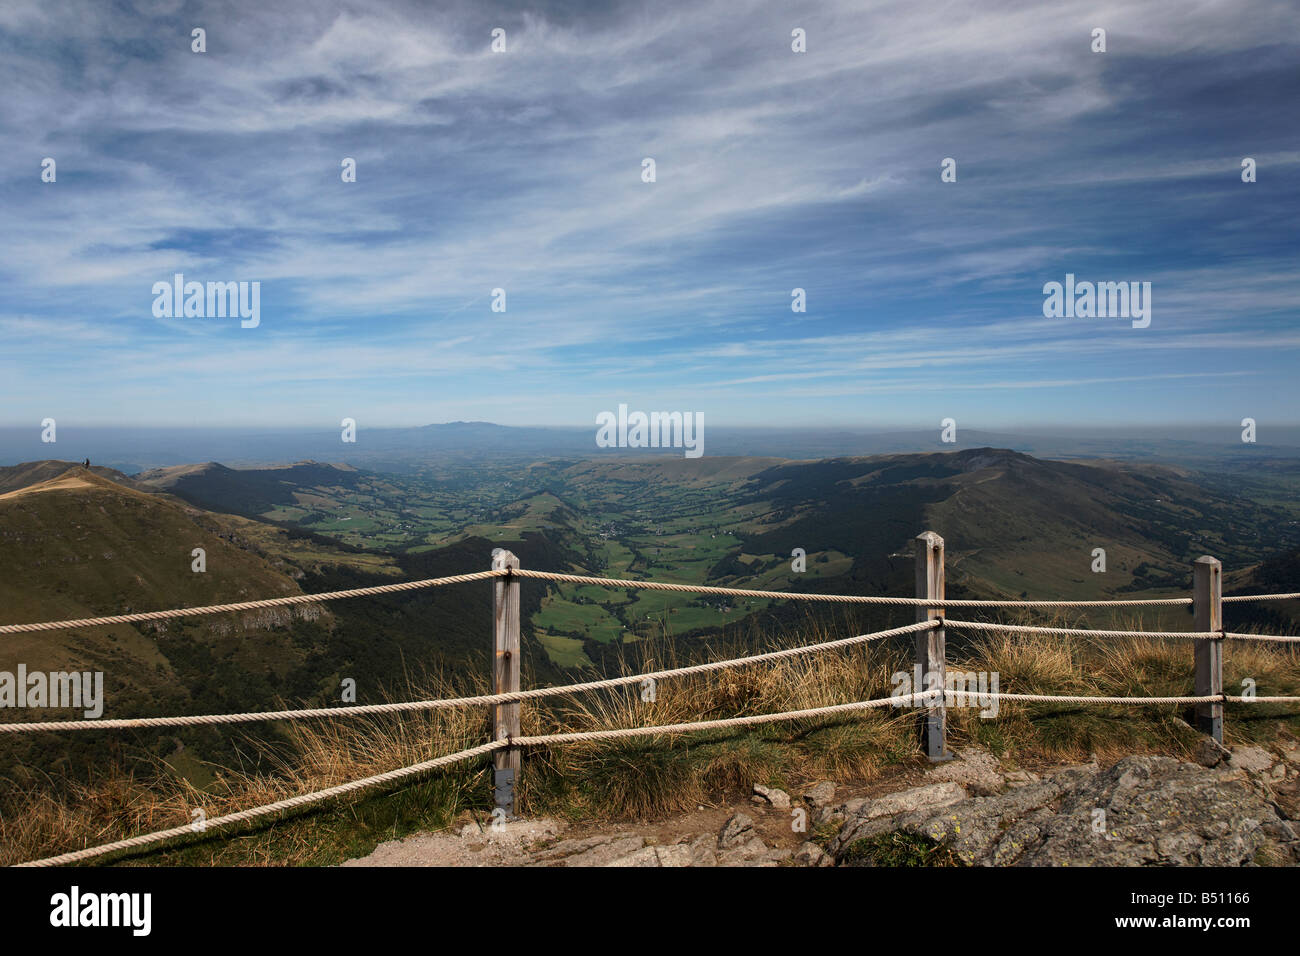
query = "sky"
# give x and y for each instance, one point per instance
(774, 170)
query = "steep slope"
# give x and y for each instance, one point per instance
(1012, 521)
(246, 491)
(17, 477)
(1277, 574)
(80, 545)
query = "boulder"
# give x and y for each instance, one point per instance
(736, 831)
(810, 854)
(772, 797)
(914, 800)
(1210, 753)
(1144, 810)
(819, 794)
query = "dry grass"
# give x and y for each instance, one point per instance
(645, 777)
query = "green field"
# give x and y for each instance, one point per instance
(1014, 525)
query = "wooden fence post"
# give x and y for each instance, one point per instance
(930, 645)
(507, 763)
(1207, 607)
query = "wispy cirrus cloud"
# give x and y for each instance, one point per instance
(521, 170)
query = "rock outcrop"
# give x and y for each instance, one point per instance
(1143, 810)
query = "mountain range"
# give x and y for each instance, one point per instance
(131, 450)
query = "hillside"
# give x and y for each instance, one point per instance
(81, 545)
(250, 491)
(17, 477)
(1276, 574)
(1014, 525)
(75, 544)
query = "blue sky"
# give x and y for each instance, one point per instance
(775, 170)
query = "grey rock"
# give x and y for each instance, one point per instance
(1090, 767)
(676, 855)
(737, 831)
(1018, 778)
(703, 850)
(819, 794)
(977, 770)
(908, 801)
(772, 797)
(1210, 753)
(1143, 810)
(605, 853)
(566, 848)
(752, 852)
(1250, 759)
(810, 854)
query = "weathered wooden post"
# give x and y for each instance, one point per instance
(508, 762)
(1207, 607)
(930, 645)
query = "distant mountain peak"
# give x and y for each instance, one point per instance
(462, 426)
(975, 459)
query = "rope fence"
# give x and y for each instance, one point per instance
(250, 605)
(478, 701)
(832, 598)
(147, 839)
(507, 743)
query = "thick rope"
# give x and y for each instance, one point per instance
(608, 582)
(252, 605)
(1086, 632)
(448, 703)
(1062, 699)
(145, 839)
(1071, 699)
(1234, 636)
(722, 723)
(1079, 631)
(833, 598)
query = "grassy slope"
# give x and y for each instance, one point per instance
(656, 777)
(66, 554)
(1013, 525)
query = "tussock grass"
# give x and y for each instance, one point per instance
(646, 777)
